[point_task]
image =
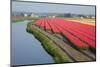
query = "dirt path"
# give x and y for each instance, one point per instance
(73, 53)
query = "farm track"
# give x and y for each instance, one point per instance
(73, 53)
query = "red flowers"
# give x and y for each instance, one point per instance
(81, 35)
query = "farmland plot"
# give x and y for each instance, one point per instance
(80, 37)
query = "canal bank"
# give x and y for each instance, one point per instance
(56, 52)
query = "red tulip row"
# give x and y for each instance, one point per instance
(80, 35)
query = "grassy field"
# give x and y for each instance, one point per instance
(20, 18)
(58, 55)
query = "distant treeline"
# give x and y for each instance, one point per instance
(32, 14)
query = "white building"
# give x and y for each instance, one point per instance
(25, 15)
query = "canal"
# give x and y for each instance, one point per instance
(25, 48)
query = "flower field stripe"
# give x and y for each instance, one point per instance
(43, 23)
(88, 31)
(76, 41)
(81, 35)
(37, 22)
(47, 26)
(82, 27)
(78, 32)
(53, 27)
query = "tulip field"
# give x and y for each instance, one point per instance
(81, 35)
